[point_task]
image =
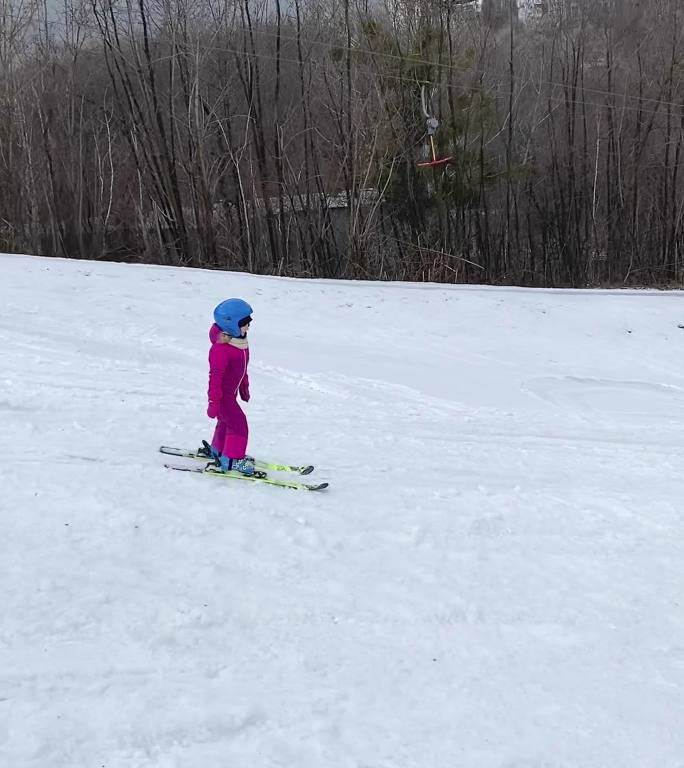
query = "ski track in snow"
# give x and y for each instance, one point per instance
(493, 580)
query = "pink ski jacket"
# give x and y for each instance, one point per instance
(228, 361)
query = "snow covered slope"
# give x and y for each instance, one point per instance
(495, 578)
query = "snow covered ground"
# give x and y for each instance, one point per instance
(495, 578)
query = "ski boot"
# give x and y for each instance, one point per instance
(244, 466)
(208, 451)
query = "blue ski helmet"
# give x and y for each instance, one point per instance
(229, 313)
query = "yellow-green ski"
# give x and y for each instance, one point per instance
(204, 454)
(257, 477)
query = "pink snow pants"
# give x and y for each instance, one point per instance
(231, 433)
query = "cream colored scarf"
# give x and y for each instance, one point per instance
(241, 343)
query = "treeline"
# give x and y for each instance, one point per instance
(285, 137)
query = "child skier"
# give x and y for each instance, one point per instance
(228, 360)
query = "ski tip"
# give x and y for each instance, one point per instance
(306, 470)
(319, 487)
(182, 469)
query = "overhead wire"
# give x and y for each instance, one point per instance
(411, 59)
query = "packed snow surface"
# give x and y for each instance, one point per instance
(494, 579)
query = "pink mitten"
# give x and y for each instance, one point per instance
(212, 409)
